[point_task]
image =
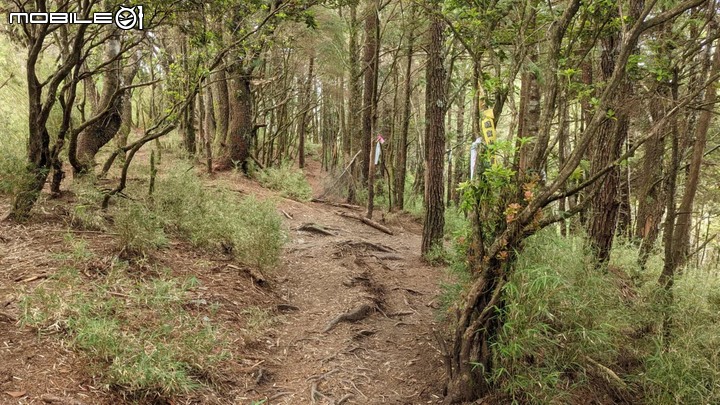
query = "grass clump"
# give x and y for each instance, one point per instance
(559, 312)
(139, 229)
(290, 182)
(136, 334)
(247, 228)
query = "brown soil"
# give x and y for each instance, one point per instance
(388, 356)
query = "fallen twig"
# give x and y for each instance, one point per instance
(288, 216)
(400, 313)
(31, 278)
(344, 398)
(608, 372)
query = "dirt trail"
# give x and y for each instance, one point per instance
(388, 356)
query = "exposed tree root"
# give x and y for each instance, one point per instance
(367, 245)
(387, 256)
(334, 204)
(368, 222)
(357, 314)
(311, 227)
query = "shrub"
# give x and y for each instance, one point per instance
(290, 182)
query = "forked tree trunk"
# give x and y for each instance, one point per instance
(240, 126)
(91, 139)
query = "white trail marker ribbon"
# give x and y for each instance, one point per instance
(380, 140)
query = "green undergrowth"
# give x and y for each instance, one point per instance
(13, 119)
(136, 335)
(289, 181)
(564, 320)
(14, 115)
(181, 206)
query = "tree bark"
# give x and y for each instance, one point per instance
(240, 127)
(355, 133)
(222, 101)
(435, 107)
(605, 148)
(303, 117)
(369, 109)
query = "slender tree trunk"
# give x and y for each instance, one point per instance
(401, 160)
(210, 127)
(369, 109)
(435, 107)
(303, 117)
(355, 132)
(681, 235)
(651, 205)
(459, 146)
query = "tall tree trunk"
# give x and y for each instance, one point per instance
(401, 159)
(435, 107)
(354, 96)
(681, 235)
(651, 204)
(222, 101)
(369, 108)
(369, 82)
(210, 127)
(459, 149)
(303, 117)
(605, 148)
(187, 127)
(240, 126)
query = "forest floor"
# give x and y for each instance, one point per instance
(297, 355)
